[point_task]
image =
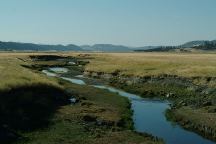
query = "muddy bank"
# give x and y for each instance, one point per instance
(163, 78)
(205, 129)
(59, 58)
(164, 86)
(41, 62)
(101, 112)
(181, 91)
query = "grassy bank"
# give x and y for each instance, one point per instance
(188, 80)
(97, 118)
(12, 73)
(201, 120)
(35, 109)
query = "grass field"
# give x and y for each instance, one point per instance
(193, 89)
(145, 64)
(98, 103)
(29, 97)
(68, 126)
(12, 74)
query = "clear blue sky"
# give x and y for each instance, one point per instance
(127, 22)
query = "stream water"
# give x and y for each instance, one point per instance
(148, 116)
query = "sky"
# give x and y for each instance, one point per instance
(122, 22)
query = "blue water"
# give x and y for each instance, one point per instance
(58, 70)
(49, 73)
(73, 80)
(149, 117)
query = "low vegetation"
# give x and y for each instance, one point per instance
(201, 120)
(155, 64)
(188, 80)
(36, 109)
(13, 74)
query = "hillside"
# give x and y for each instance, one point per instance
(189, 46)
(193, 43)
(106, 48)
(15, 46)
(186, 47)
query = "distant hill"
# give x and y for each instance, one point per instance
(193, 43)
(114, 48)
(146, 48)
(201, 45)
(16, 46)
(189, 46)
(9, 46)
(207, 46)
(157, 49)
(196, 43)
(106, 48)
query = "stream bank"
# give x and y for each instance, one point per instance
(97, 116)
(148, 116)
(162, 87)
(183, 92)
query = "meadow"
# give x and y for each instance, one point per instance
(13, 74)
(25, 90)
(154, 64)
(186, 79)
(35, 108)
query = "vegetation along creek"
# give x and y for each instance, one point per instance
(148, 114)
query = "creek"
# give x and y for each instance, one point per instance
(148, 114)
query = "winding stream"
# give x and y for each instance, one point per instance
(148, 116)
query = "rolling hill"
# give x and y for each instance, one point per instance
(106, 48)
(201, 45)
(15, 46)
(189, 46)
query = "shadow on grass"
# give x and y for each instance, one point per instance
(49, 57)
(28, 108)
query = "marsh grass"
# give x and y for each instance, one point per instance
(200, 120)
(34, 111)
(148, 64)
(70, 127)
(192, 107)
(13, 74)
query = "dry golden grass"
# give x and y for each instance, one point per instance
(143, 64)
(66, 126)
(139, 64)
(12, 74)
